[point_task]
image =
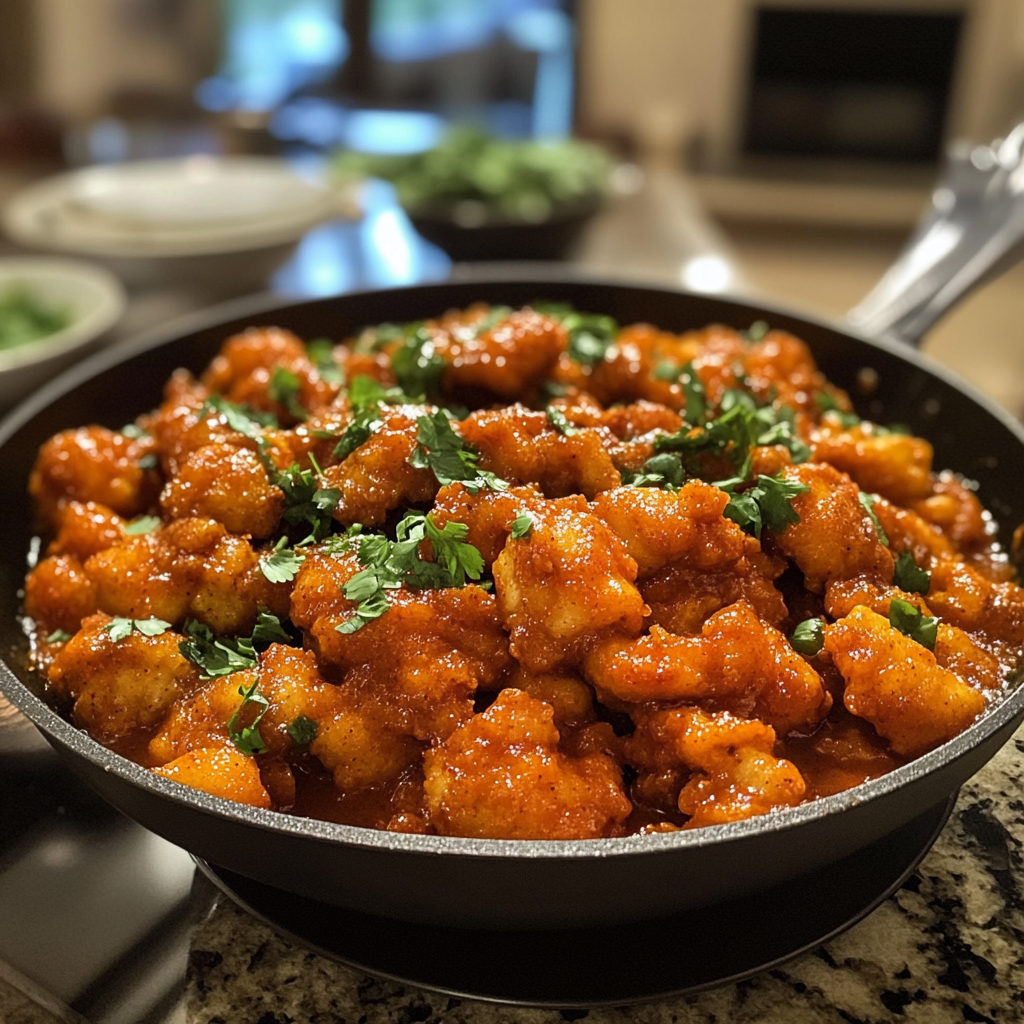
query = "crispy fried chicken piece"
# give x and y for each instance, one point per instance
(120, 686)
(897, 685)
(522, 446)
(59, 594)
(567, 584)
(86, 528)
(660, 527)
(835, 538)
(377, 476)
(222, 482)
(896, 466)
(738, 664)
(502, 776)
(736, 775)
(222, 771)
(93, 464)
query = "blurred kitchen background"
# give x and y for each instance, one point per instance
(775, 149)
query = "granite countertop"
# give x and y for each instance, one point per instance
(948, 947)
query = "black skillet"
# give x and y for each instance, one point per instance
(491, 883)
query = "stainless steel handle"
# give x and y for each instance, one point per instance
(973, 231)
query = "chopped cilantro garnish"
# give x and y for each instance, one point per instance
(248, 738)
(696, 396)
(144, 524)
(119, 628)
(390, 564)
(239, 418)
(522, 526)
(216, 656)
(268, 630)
(667, 370)
(495, 315)
(826, 403)
(591, 335)
(148, 461)
(284, 389)
(416, 366)
(321, 355)
(868, 503)
(757, 330)
(740, 427)
(58, 636)
(912, 622)
(303, 731)
(132, 430)
(809, 637)
(306, 502)
(665, 470)
(283, 564)
(441, 450)
(768, 503)
(558, 420)
(909, 576)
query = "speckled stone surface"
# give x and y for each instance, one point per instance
(948, 947)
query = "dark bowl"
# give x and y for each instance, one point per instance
(501, 883)
(549, 239)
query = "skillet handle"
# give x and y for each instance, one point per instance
(973, 231)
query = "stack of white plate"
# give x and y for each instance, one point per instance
(228, 221)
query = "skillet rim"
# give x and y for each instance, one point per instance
(56, 728)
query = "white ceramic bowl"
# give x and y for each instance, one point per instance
(95, 299)
(188, 221)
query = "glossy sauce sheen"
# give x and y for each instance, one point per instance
(591, 632)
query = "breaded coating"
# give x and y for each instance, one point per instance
(955, 510)
(738, 664)
(508, 359)
(564, 586)
(93, 464)
(681, 599)
(377, 476)
(192, 567)
(835, 538)
(570, 697)
(222, 771)
(780, 368)
(246, 366)
(660, 528)
(59, 594)
(502, 776)
(121, 686)
(896, 466)
(488, 514)
(736, 774)
(907, 531)
(427, 656)
(86, 528)
(897, 685)
(965, 598)
(522, 446)
(228, 484)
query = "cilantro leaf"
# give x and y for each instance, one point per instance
(416, 366)
(757, 330)
(144, 524)
(148, 461)
(868, 504)
(665, 470)
(284, 388)
(132, 430)
(912, 622)
(216, 656)
(441, 450)
(248, 738)
(909, 576)
(303, 731)
(392, 564)
(667, 370)
(768, 503)
(268, 630)
(321, 355)
(826, 403)
(366, 393)
(283, 564)
(522, 526)
(809, 637)
(239, 418)
(558, 420)
(696, 396)
(495, 315)
(119, 628)
(306, 502)
(591, 335)
(58, 636)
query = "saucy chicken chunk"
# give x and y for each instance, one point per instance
(515, 574)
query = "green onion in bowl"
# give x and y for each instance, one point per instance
(25, 316)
